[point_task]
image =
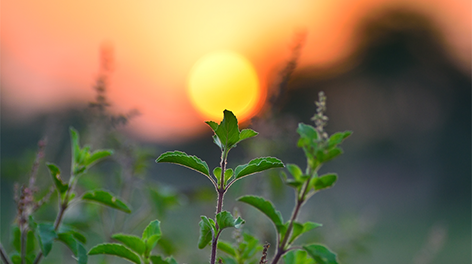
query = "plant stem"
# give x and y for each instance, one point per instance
(219, 205)
(62, 208)
(4, 255)
(300, 200)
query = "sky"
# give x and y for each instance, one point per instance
(50, 49)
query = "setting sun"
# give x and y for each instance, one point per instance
(224, 80)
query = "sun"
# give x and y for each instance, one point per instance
(224, 80)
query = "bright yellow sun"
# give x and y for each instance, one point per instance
(224, 80)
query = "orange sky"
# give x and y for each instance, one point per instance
(50, 48)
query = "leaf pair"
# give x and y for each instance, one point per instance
(72, 239)
(209, 229)
(195, 163)
(316, 183)
(227, 133)
(82, 158)
(316, 149)
(267, 208)
(134, 248)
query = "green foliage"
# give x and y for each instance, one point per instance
(181, 158)
(207, 231)
(317, 146)
(265, 207)
(46, 236)
(106, 198)
(134, 248)
(321, 254)
(116, 250)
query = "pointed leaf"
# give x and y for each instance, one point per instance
(225, 219)
(56, 177)
(324, 181)
(82, 257)
(299, 229)
(265, 207)
(105, 198)
(337, 138)
(46, 235)
(297, 257)
(213, 125)
(151, 235)
(228, 174)
(133, 242)
(69, 240)
(206, 232)
(227, 248)
(228, 130)
(97, 155)
(295, 171)
(75, 246)
(257, 165)
(115, 250)
(332, 153)
(321, 254)
(247, 133)
(181, 158)
(307, 134)
(157, 260)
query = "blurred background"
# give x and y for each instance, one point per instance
(396, 73)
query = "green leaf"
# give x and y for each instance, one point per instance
(133, 242)
(307, 134)
(228, 174)
(227, 248)
(332, 153)
(321, 254)
(207, 229)
(16, 238)
(97, 155)
(297, 257)
(46, 235)
(225, 219)
(217, 173)
(257, 165)
(30, 242)
(107, 199)
(213, 125)
(81, 238)
(152, 233)
(295, 171)
(181, 158)
(82, 257)
(56, 177)
(247, 133)
(299, 229)
(337, 138)
(157, 260)
(265, 207)
(228, 130)
(324, 181)
(76, 247)
(115, 250)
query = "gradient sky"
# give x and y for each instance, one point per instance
(50, 48)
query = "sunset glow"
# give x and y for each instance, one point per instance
(223, 80)
(50, 51)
